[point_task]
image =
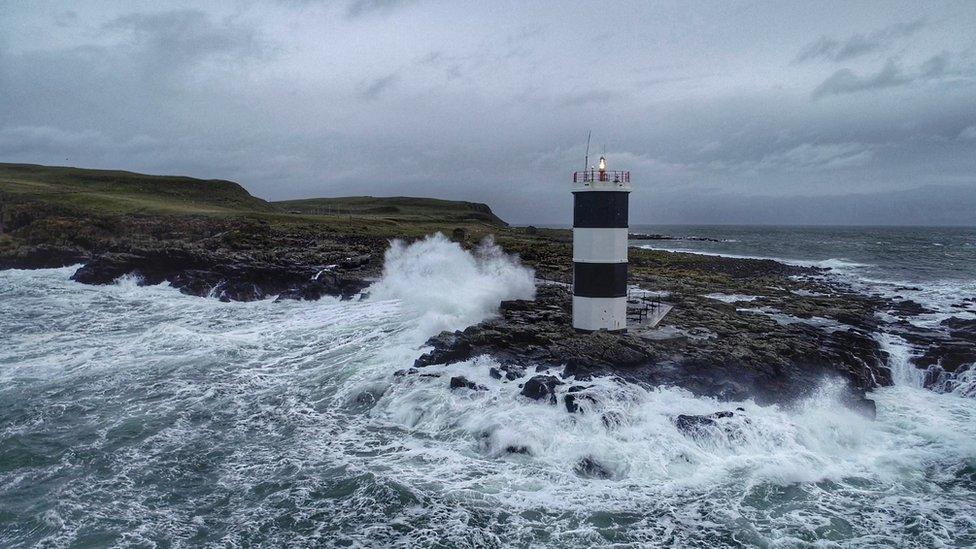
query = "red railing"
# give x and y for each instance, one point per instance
(594, 176)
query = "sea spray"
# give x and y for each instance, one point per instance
(448, 287)
(903, 372)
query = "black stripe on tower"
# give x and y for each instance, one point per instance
(600, 279)
(600, 210)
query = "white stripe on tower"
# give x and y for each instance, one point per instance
(600, 245)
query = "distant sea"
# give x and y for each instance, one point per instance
(907, 254)
(935, 266)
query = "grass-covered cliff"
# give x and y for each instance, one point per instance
(96, 210)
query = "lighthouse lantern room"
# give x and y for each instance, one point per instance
(600, 225)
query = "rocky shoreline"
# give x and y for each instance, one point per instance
(740, 328)
(784, 365)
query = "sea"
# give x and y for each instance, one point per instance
(136, 416)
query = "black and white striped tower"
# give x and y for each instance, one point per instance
(600, 204)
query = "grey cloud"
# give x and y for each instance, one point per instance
(935, 66)
(451, 65)
(591, 97)
(845, 81)
(374, 88)
(819, 155)
(66, 18)
(891, 75)
(823, 47)
(360, 8)
(832, 49)
(179, 38)
(277, 97)
(47, 139)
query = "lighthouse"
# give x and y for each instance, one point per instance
(600, 223)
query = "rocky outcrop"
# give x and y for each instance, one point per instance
(753, 358)
(697, 425)
(226, 276)
(589, 467)
(461, 382)
(959, 351)
(43, 256)
(541, 388)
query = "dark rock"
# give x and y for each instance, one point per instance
(327, 284)
(611, 420)
(461, 382)
(589, 467)
(961, 328)
(42, 256)
(355, 262)
(223, 275)
(518, 449)
(541, 387)
(575, 395)
(448, 349)
(861, 404)
(512, 373)
(696, 425)
(747, 356)
(909, 308)
(106, 269)
(950, 356)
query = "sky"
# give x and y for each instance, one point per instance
(786, 112)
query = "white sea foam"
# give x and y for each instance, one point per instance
(832, 263)
(731, 298)
(903, 372)
(449, 287)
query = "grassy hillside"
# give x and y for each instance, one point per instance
(119, 192)
(397, 207)
(100, 209)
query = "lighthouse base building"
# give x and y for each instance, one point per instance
(600, 227)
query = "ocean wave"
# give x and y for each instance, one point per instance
(832, 263)
(448, 287)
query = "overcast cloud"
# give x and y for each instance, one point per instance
(725, 112)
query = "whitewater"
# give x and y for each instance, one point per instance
(138, 416)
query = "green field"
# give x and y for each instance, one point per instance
(121, 192)
(398, 207)
(94, 208)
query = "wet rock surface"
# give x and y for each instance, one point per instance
(750, 357)
(696, 425)
(461, 382)
(226, 276)
(43, 256)
(541, 388)
(945, 354)
(589, 467)
(799, 327)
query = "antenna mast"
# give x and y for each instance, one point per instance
(586, 161)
